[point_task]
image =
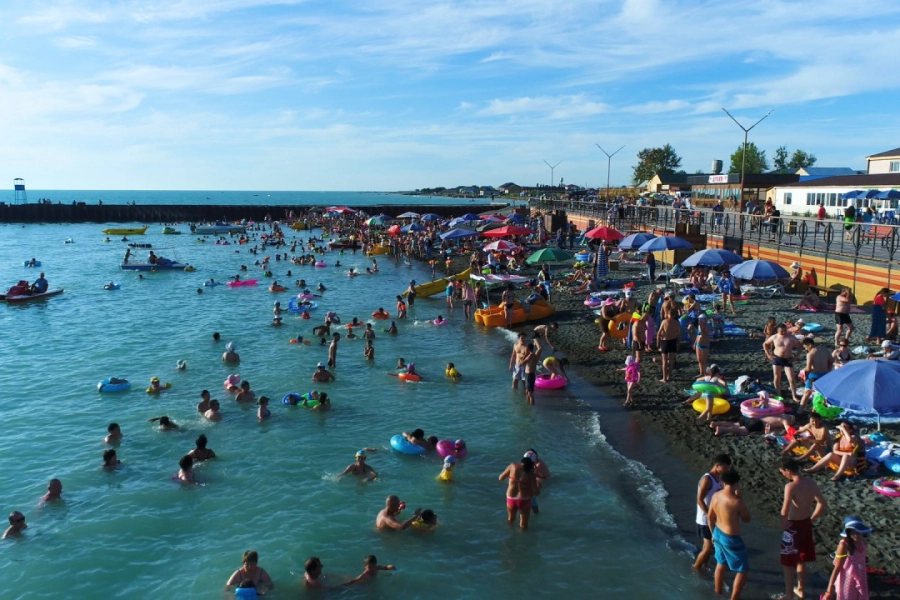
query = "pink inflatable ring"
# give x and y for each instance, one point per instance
(756, 408)
(455, 449)
(548, 382)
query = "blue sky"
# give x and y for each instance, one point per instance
(402, 94)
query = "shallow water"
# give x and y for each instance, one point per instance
(603, 530)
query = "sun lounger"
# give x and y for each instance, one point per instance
(768, 291)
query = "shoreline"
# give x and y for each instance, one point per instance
(678, 450)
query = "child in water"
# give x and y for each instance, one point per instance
(401, 364)
(371, 570)
(632, 372)
(452, 373)
(447, 469)
(263, 411)
(370, 350)
(350, 334)
(427, 521)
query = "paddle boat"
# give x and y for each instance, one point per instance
(20, 293)
(170, 231)
(343, 243)
(495, 317)
(126, 230)
(162, 264)
(299, 226)
(216, 228)
(437, 286)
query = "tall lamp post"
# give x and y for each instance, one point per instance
(744, 152)
(552, 169)
(608, 165)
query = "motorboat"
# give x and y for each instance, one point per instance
(21, 293)
(170, 231)
(126, 230)
(217, 228)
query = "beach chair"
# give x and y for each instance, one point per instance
(767, 291)
(673, 273)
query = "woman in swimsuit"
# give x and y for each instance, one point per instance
(845, 453)
(522, 488)
(841, 355)
(201, 452)
(701, 345)
(263, 411)
(250, 571)
(507, 301)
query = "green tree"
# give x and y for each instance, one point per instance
(756, 160)
(801, 160)
(780, 162)
(655, 160)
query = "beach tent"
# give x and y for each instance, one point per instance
(607, 234)
(455, 234)
(635, 241)
(866, 386)
(712, 257)
(549, 255)
(507, 230)
(760, 269)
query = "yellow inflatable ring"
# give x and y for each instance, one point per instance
(618, 326)
(720, 405)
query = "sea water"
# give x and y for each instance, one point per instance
(603, 531)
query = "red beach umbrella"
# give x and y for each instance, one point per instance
(507, 231)
(393, 229)
(607, 234)
(500, 246)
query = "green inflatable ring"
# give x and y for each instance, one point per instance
(827, 412)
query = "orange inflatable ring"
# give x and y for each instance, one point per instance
(409, 377)
(380, 315)
(277, 288)
(618, 326)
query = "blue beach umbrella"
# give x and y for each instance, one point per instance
(430, 217)
(760, 269)
(663, 243)
(470, 217)
(635, 241)
(850, 195)
(455, 234)
(412, 227)
(867, 386)
(516, 218)
(712, 257)
(888, 195)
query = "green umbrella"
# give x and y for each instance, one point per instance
(549, 255)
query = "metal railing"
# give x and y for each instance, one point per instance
(875, 241)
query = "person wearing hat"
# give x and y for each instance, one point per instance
(411, 292)
(849, 579)
(359, 467)
(446, 473)
(322, 375)
(796, 278)
(230, 355)
(803, 504)
(608, 312)
(818, 363)
(888, 352)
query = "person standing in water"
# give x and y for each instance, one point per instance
(726, 513)
(710, 483)
(332, 350)
(521, 489)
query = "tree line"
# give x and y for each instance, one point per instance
(665, 160)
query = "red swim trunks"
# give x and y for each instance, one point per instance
(518, 503)
(797, 543)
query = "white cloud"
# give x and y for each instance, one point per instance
(559, 107)
(75, 41)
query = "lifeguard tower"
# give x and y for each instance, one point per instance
(19, 187)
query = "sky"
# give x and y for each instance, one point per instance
(405, 94)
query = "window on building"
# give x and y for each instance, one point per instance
(810, 198)
(788, 197)
(832, 199)
(895, 166)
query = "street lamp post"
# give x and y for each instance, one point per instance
(744, 152)
(552, 169)
(608, 165)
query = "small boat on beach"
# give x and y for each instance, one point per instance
(126, 230)
(437, 286)
(495, 317)
(20, 293)
(217, 228)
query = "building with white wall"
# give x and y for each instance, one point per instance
(884, 162)
(803, 198)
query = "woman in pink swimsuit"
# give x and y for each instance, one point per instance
(522, 487)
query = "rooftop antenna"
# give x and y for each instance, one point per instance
(552, 169)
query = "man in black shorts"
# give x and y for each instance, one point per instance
(842, 305)
(531, 362)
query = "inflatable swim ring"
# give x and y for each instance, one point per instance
(456, 449)
(422, 526)
(277, 288)
(292, 399)
(162, 387)
(441, 322)
(232, 381)
(211, 283)
(409, 377)
(887, 486)
(720, 405)
(754, 409)
(709, 387)
(812, 328)
(321, 263)
(618, 326)
(401, 445)
(241, 283)
(546, 382)
(37, 263)
(105, 385)
(827, 412)
(111, 286)
(378, 315)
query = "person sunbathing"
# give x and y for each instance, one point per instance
(810, 301)
(578, 275)
(768, 330)
(814, 436)
(585, 288)
(746, 426)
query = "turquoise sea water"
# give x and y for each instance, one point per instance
(192, 197)
(603, 531)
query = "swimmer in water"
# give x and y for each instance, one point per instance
(16, 525)
(230, 355)
(401, 308)
(401, 364)
(165, 423)
(392, 329)
(110, 460)
(447, 469)
(387, 517)
(426, 521)
(213, 414)
(332, 350)
(371, 568)
(452, 373)
(114, 434)
(369, 352)
(203, 406)
(360, 467)
(276, 321)
(54, 491)
(350, 334)
(322, 375)
(246, 394)
(321, 287)
(313, 570)
(186, 470)
(263, 411)
(201, 452)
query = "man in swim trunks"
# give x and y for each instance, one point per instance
(531, 364)
(710, 483)
(667, 340)
(517, 361)
(726, 513)
(204, 402)
(332, 349)
(213, 413)
(814, 435)
(818, 363)
(322, 375)
(522, 487)
(779, 349)
(360, 467)
(387, 517)
(842, 305)
(803, 504)
(544, 331)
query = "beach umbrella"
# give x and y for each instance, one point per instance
(500, 245)
(607, 234)
(663, 243)
(712, 257)
(394, 229)
(635, 241)
(375, 221)
(412, 227)
(457, 222)
(455, 234)
(408, 215)
(867, 386)
(341, 210)
(549, 255)
(507, 230)
(470, 217)
(850, 195)
(430, 217)
(888, 195)
(494, 219)
(760, 269)
(516, 218)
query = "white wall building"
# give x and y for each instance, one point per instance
(884, 162)
(803, 198)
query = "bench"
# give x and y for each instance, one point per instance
(879, 232)
(830, 294)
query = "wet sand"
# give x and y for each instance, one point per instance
(687, 447)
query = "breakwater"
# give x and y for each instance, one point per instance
(171, 213)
